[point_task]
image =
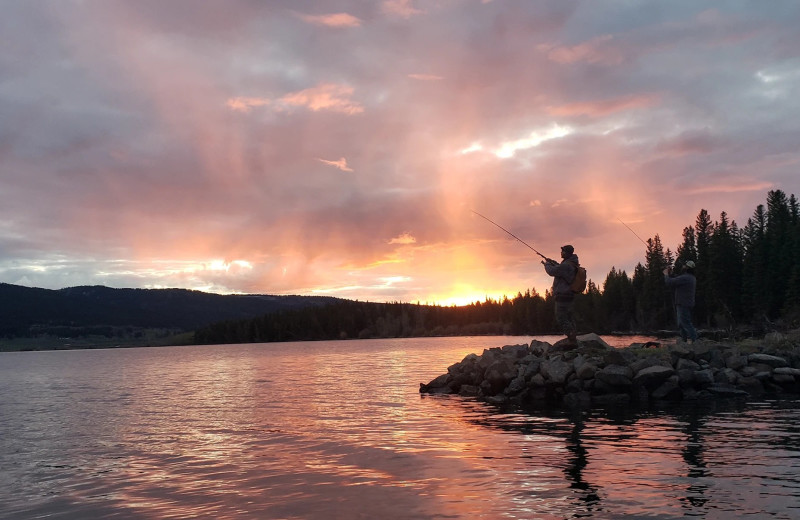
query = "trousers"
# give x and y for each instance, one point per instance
(685, 327)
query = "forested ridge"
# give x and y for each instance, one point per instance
(103, 311)
(748, 279)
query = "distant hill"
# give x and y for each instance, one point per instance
(27, 311)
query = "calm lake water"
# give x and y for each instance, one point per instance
(339, 430)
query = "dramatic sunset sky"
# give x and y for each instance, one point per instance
(338, 147)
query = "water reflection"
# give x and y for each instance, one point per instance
(633, 459)
(339, 430)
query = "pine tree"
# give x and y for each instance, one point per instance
(704, 228)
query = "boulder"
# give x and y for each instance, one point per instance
(686, 364)
(668, 391)
(586, 370)
(555, 371)
(615, 375)
(653, 377)
(704, 377)
(766, 359)
(515, 351)
(726, 391)
(787, 371)
(499, 374)
(593, 341)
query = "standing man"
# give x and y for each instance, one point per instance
(684, 286)
(563, 274)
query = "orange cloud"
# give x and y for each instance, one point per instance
(593, 51)
(733, 188)
(333, 20)
(604, 107)
(327, 96)
(404, 239)
(401, 8)
(341, 164)
(426, 77)
(245, 104)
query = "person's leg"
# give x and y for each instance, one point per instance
(566, 319)
(688, 332)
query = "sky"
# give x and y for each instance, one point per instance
(340, 148)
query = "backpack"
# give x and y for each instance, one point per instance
(578, 284)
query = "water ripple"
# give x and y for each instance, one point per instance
(339, 430)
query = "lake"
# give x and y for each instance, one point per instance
(323, 430)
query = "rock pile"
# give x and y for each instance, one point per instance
(596, 374)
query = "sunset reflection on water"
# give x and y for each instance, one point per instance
(339, 430)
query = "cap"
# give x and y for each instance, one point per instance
(688, 264)
(568, 249)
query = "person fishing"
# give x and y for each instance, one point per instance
(684, 286)
(563, 274)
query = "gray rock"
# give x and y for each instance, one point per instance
(538, 381)
(766, 359)
(573, 386)
(593, 341)
(704, 377)
(787, 371)
(736, 362)
(654, 376)
(727, 376)
(469, 391)
(763, 375)
(686, 378)
(516, 386)
(531, 369)
(783, 379)
(555, 371)
(578, 400)
(751, 385)
(615, 375)
(668, 391)
(726, 391)
(499, 374)
(587, 370)
(539, 348)
(516, 351)
(496, 399)
(687, 364)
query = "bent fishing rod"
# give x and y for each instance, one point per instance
(632, 231)
(512, 234)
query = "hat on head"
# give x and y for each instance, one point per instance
(568, 249)
(688, 264)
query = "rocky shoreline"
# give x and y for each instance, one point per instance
(594, 374)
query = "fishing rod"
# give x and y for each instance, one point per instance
(512, 234)
(632, 231)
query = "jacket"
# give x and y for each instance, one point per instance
(684, 286)
(563, 274)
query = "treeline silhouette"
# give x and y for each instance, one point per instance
(748, 281)
(102, 311)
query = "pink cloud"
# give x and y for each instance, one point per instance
(604, 107)
(597, 50)
(340, 164)
(327, 96)
(731, 186)
(246, 104)
(337, 20)
(401, 8)
(426, 77)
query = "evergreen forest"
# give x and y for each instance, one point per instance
(748, 282)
